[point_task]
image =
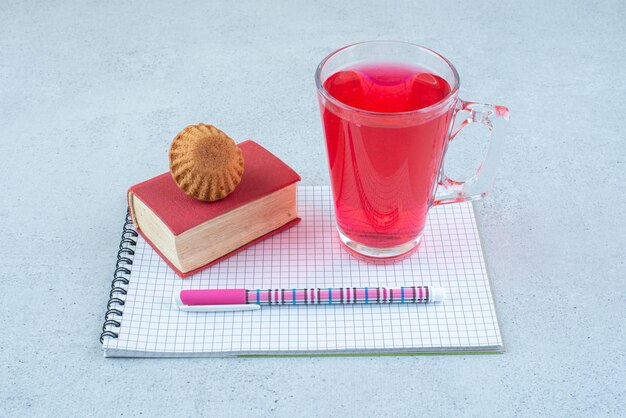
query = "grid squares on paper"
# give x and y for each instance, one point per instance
(309, 255)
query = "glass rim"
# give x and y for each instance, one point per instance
(320, 87)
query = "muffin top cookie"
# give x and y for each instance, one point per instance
(205, 162)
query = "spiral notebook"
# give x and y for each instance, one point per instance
(142, 321)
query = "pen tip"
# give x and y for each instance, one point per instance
(437, 294)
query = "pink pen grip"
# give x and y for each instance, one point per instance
(213, 297)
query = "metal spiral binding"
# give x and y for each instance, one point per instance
(113, 315)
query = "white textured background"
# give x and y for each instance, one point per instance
(91, 93)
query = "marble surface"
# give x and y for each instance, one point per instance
(91, 94)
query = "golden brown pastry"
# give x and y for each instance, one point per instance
(205, 162)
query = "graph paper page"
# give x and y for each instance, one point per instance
(309, 255)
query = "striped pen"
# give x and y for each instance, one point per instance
(223, 300)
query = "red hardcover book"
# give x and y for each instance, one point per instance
(191, 235)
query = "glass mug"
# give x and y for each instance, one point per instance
(389, 110)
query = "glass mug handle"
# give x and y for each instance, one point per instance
(478, 185)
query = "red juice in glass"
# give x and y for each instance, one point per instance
(383, 171)
(389, 110)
